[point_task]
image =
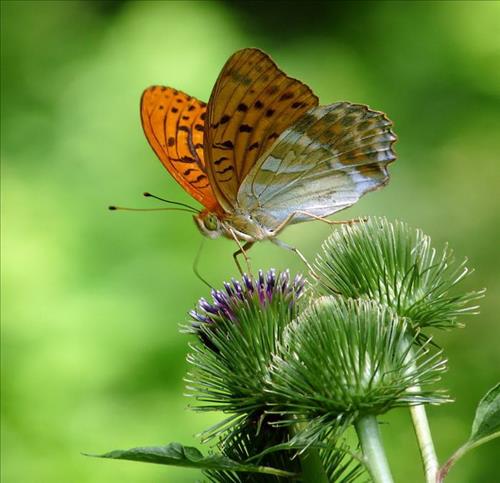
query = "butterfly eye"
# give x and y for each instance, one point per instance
(211, 222)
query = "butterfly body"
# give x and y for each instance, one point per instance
(238, 225)
(263, 154)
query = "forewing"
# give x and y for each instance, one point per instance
(324, 163)
(252, 103)
(174, 126)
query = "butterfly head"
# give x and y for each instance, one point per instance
(209, 224)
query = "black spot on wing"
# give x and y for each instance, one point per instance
(218, 161)
(199, 178)
(286, 95)
(225, 170)
(225, 145)
(186, 159)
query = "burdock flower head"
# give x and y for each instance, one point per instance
(398, 267)
(272, 291)
(239, 330)
(345, 358)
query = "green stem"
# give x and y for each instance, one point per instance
(443, 472)
(373, 450)
(424, 436)
(310, 462)
(425, 443)
(312, 467)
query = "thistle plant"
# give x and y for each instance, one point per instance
(342, 359)
(293, 365)
(240, 330)
(399, 267)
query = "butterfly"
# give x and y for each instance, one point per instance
(262, 154)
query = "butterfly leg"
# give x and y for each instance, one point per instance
(290, 218)
(196, 262)
(243, 251)
(286, 246)
(284, 223)
(330, 222)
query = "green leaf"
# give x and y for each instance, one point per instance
(486, 426)
(175, 454)
(487, 420)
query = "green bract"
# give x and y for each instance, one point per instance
(397, 266)
(239, 331)
(342, 359)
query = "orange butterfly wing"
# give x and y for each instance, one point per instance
(173, 123)
(252, 103)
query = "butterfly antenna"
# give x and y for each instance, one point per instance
(192, 208)
(195, 264)
(122, 208)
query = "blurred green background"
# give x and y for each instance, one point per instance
(92, 359)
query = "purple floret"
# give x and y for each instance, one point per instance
(264, 289)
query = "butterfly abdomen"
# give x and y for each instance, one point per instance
(246, 227)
